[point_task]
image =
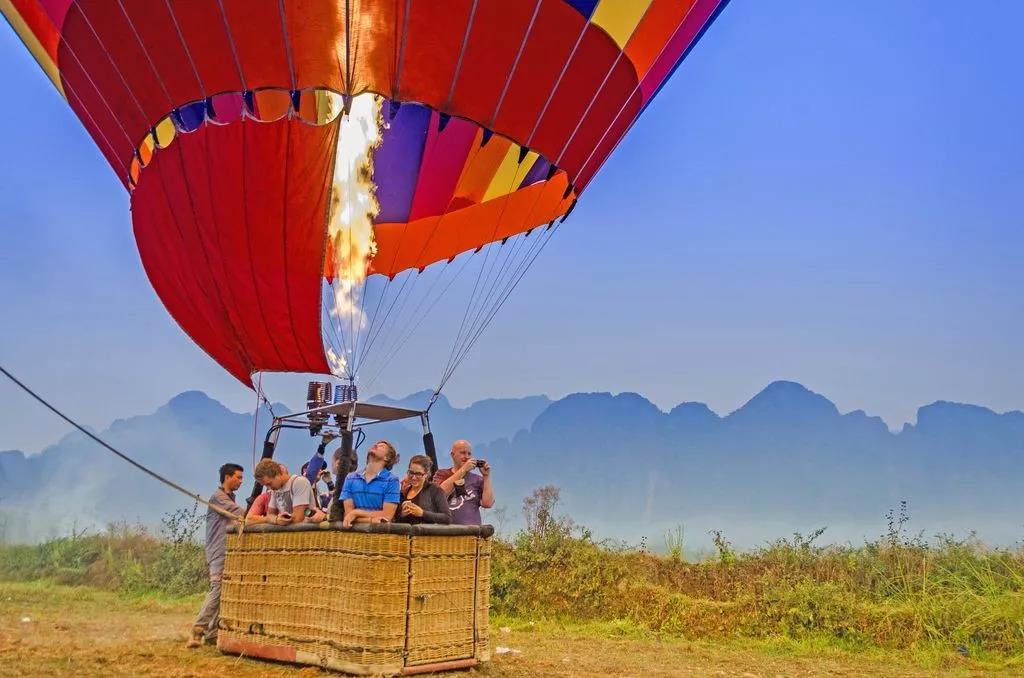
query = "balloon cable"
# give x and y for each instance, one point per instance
(122, 455)
(503, 297)
(256, 418)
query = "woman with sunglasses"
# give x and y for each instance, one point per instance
(422, 500)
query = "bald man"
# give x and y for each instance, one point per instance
(467, 492)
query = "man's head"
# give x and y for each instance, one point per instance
(461, 452)
(270, 474)
(383, 451)
(231, 477)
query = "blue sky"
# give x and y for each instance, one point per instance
(824, 192)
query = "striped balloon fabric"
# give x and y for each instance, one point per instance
(221, 117)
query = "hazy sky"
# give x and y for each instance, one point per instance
(824, 192)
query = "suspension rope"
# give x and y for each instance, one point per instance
(262, 395)
(410, 329)
(360, 324)
(487, 321)
(334, 341)
(348, 48)
(335, 319)
(604, 81)
(511, 260)
(515, 66)
(153, 474)
(487, 295)
(462, 54)
(231, 43)
(374, 331)
(373, 318)
(184, 47)
(558, 81)
(287, 42)
(370, 339)
(256, 419)
(497, 222)
(217, 298)
(396, 83)
(510, 284)
(396, 312)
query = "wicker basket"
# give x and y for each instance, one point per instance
(372, 599)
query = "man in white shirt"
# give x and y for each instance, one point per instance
(292, 495)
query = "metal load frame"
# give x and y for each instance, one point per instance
(346, 417)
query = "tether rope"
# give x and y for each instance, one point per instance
(153, 474)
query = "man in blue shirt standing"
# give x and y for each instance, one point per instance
(372, 495)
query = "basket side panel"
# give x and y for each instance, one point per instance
(442, 599)
(339, 596)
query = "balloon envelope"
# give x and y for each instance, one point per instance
(222, 117)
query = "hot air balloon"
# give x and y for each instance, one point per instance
(222, 118)
(306, 179)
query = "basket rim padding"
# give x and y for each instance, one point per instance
(376, 528)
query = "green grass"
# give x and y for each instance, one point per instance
(937, 601)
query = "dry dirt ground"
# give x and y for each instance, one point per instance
(62, 631)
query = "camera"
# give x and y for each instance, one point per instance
(480, 463)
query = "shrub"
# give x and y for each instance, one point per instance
(123, 558)
(896, 591)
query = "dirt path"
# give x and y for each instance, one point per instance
(62, 631)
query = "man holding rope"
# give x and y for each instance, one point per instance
(221, 506)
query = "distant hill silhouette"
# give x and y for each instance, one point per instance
(785, 461)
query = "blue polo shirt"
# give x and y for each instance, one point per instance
(371, 495)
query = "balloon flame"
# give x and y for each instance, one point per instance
(354, 206)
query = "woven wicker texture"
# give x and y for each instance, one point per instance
(483, 600)
(375, 601)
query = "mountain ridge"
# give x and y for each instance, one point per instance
(785, 456)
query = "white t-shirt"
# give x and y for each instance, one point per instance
(295, 492)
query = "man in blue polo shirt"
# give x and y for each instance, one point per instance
(372, 495)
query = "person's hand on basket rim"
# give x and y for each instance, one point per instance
(411, 509)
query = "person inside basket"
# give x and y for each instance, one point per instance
(422, 500)
(314, 469)
(372, 494)
(322, 498)
(258, 508)
(217, 523)
(311, 469)
(292, 499)
(467, 492)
